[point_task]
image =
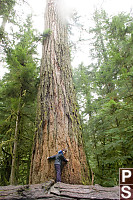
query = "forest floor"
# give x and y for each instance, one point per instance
(58, 191)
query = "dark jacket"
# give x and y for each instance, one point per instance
(59, 158)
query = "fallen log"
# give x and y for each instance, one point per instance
(26, 192)
(58, 191)
(85, 192)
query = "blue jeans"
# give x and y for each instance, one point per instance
(58, 172)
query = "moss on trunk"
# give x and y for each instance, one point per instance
(58, 124)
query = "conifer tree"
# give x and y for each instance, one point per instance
(17, 105)
(58, 124)
(108, 132)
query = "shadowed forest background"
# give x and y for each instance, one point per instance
(104, 91)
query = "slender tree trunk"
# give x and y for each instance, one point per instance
(2, 27)
(58, 124)
(4, 23)
(13, 166)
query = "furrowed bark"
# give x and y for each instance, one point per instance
(58, 124)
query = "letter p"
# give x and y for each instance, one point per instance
(126, 174)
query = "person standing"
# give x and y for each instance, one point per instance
(59, 159)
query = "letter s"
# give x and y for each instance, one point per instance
(126, 191)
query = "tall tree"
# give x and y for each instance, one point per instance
(58, 124)
(108, 132)
(6, 7)
(17, 103)
(7, 13)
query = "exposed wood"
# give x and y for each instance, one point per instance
(26, 192)
(95, 192)
(85, 192)
(59, 191)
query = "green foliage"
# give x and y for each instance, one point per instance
(18, 93)
(6, 6)
(7, 12)
(45, 35)
(107, 93)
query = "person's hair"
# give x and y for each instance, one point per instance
(64, 150)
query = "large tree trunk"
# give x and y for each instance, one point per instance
(58, 124)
